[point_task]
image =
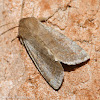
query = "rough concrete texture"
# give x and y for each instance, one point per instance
(78, 20)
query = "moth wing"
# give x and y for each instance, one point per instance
(64, 49)
(50, 69)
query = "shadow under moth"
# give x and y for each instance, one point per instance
(47, 48)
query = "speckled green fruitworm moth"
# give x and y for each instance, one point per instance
(47, 48)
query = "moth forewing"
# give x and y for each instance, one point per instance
(64, 49)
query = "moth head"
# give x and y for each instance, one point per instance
(27, 27)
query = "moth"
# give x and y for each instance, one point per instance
(47, 48)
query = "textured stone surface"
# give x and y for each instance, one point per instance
(79, 20)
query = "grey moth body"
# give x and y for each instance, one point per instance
(47, 48)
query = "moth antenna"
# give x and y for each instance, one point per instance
(14, 38)
(8, 30)
(5, 24)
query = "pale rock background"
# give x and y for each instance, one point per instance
(78, 20)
